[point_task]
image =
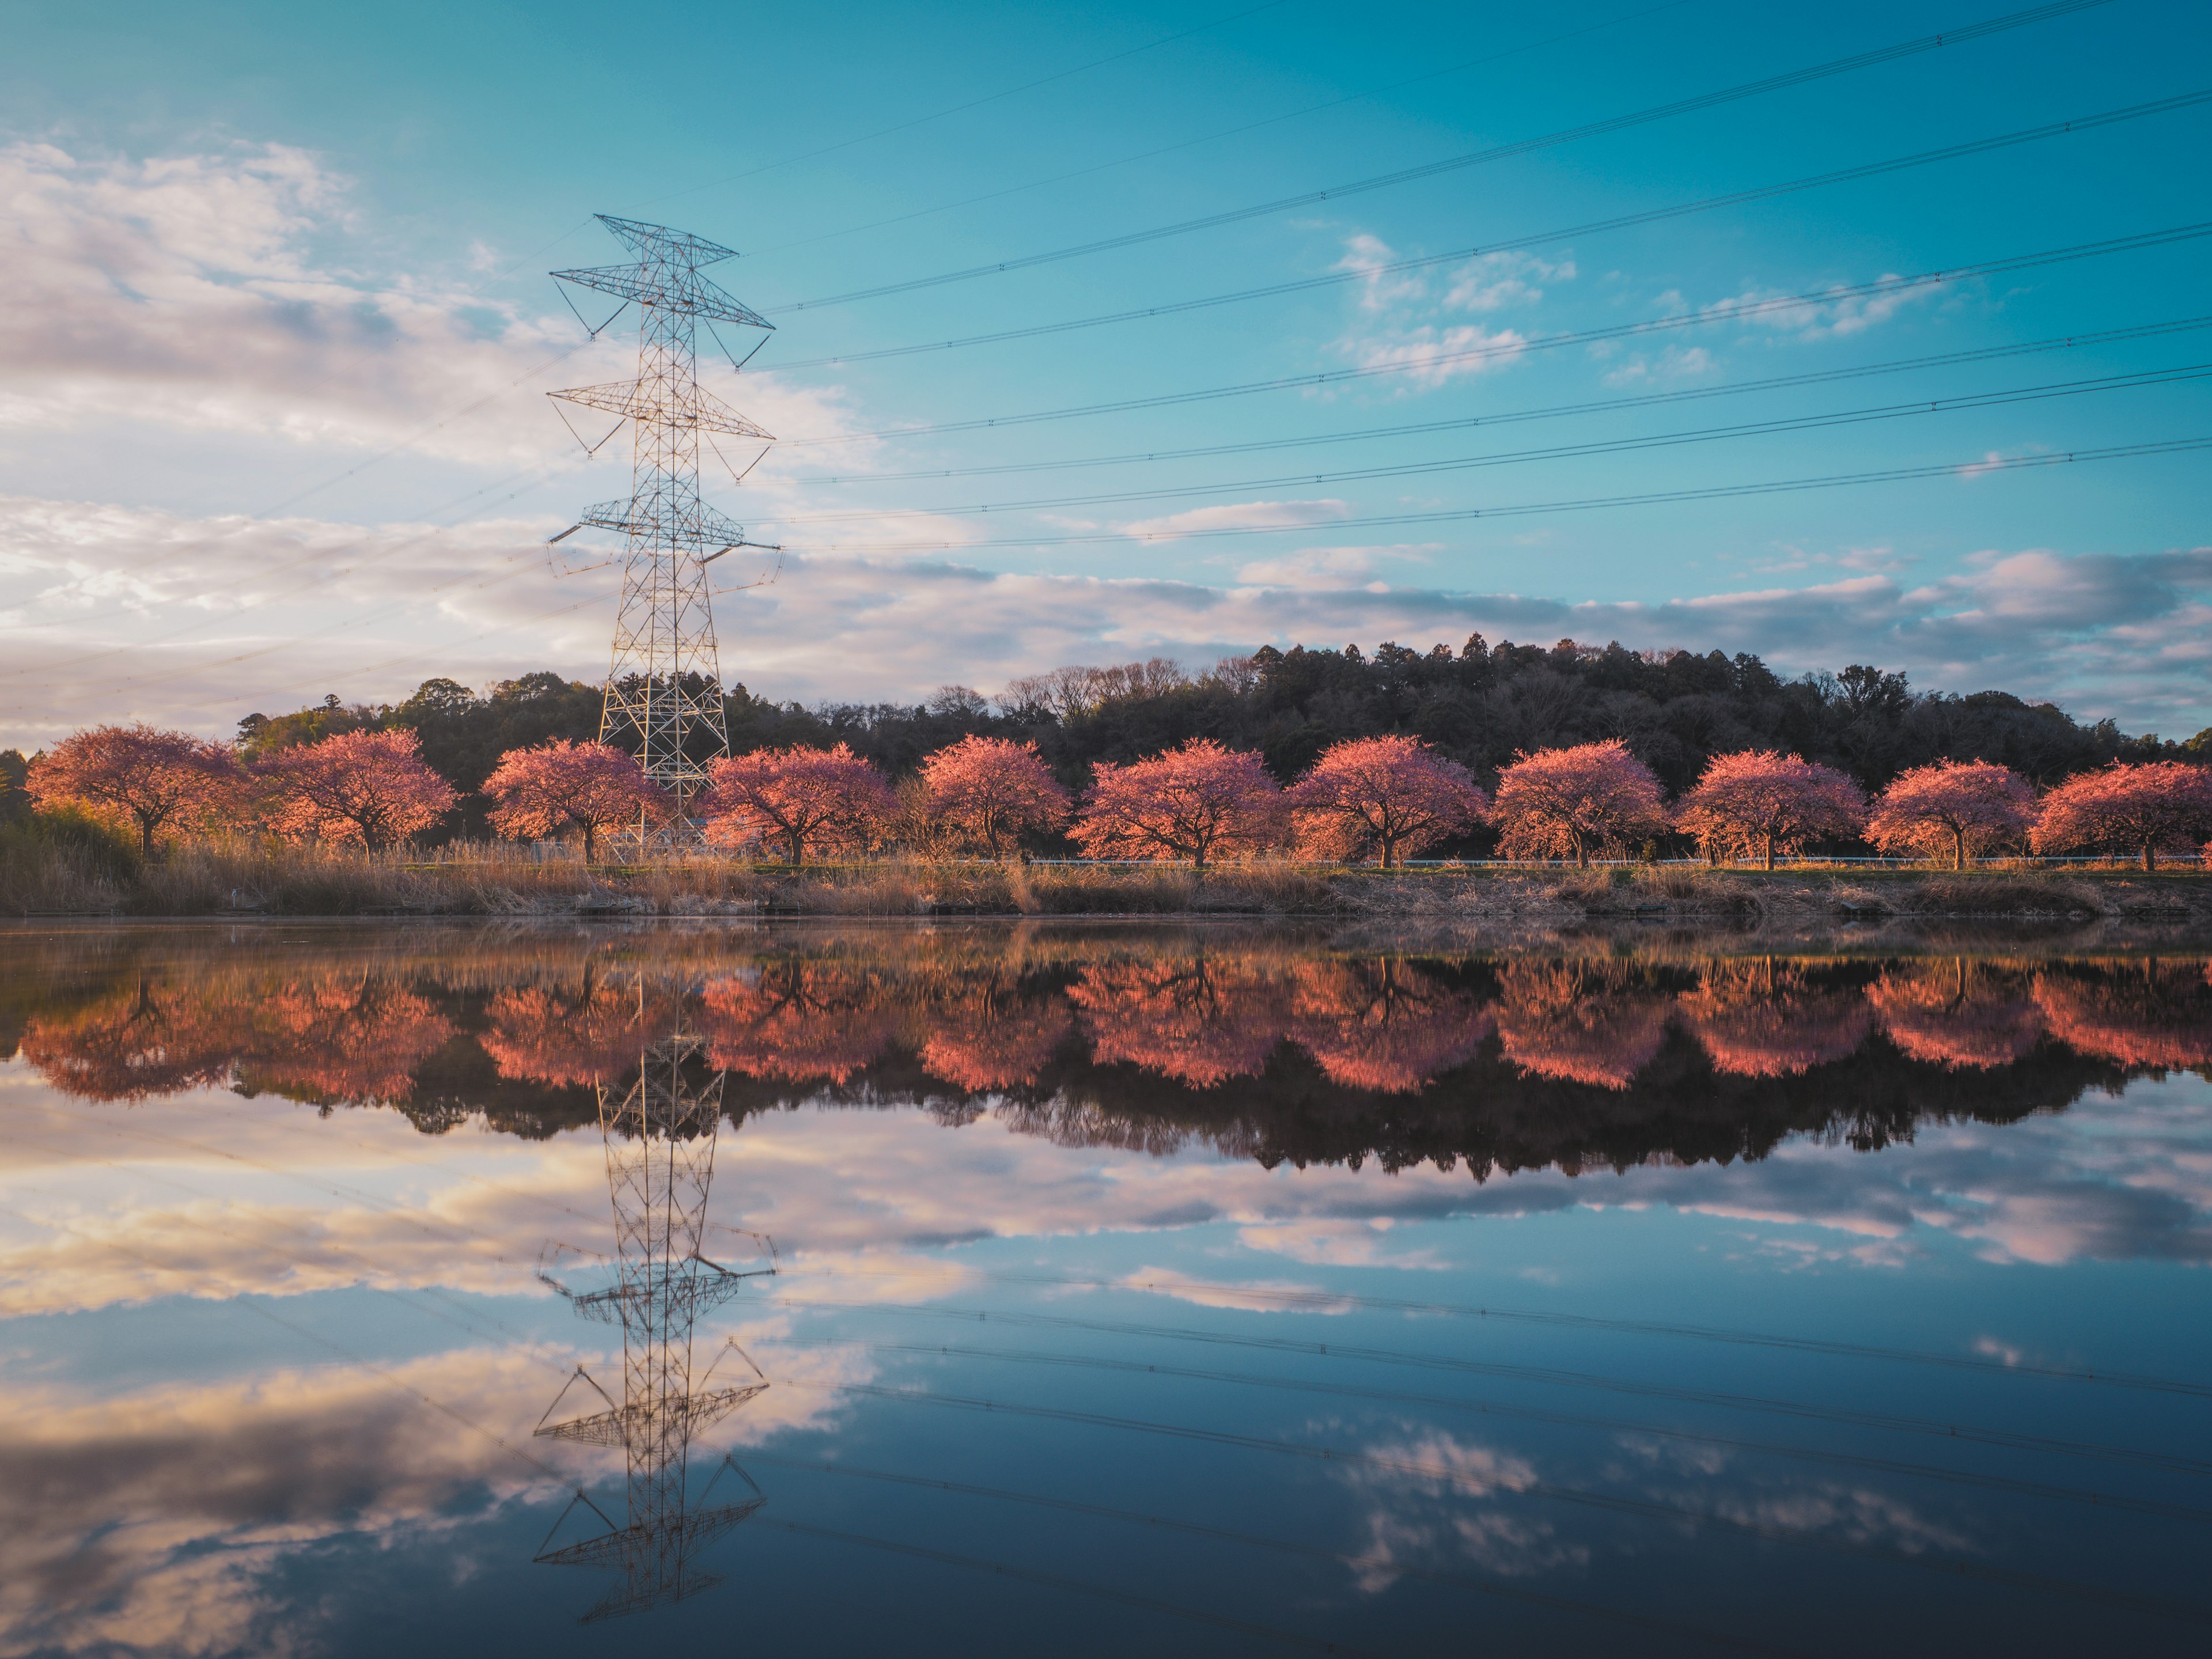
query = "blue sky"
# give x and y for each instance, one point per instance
(271, 420)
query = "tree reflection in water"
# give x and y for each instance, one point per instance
(1957, 1014)
(1761, 1020)
(2154, 1012)
(1198, 1019)
(990, 1037)
(1599, 1023)
(1384, 1024)
(1259, 1045)
(798, 1021)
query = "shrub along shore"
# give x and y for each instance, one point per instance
(91, 873)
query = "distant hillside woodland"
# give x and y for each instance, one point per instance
(1480, 705)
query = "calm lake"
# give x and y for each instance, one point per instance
(1098, 1289)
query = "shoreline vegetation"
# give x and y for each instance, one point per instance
(94, 875)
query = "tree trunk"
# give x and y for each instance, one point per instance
(1770, 849)
(145, 838)
(590, 840)
(1581, 856)
(1713, 854)
(1958, 849)
(2150, 856)
(795, 847)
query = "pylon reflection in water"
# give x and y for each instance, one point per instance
(660, 1135)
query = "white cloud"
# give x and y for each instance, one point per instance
(1324, 568)
(1835, 315)
(1495, 281)
(1427, 357)
(1239, 515)
(217, 293)
(1253, 1296)
(1400, 331)
(1674, 363)
(2101, 634)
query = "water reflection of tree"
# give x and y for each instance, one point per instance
(1197, 1019)
(1762, 1018)
(343, 1043)
(1383, 1024)
(2155, 1013)
(325, 1038)
(798, 1021)
(592, 1035)
(1957, 1014)
(1260, 1048)
(1598, 1023)
(988, 1035)
(147, 1041)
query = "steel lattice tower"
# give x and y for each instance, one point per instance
(663, 691)
(660, 1136)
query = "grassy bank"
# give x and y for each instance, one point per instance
(62, 868)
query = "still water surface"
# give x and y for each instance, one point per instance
(1096, 1290)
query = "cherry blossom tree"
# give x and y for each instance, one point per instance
(990, 791)
(1197, 802)
(591, 787)
(1389, 796)
(134, 775)
(1962, 808)
(2157, 806)
(372, 787)
(812, 801)
(1569, 803)
(1769, 803)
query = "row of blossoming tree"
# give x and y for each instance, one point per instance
(1385, 799)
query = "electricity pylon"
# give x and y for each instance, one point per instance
(664, 690)
(659, 1137)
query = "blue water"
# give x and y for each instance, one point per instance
(1082, 1361)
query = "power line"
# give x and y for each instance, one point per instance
(973, 103)
(1651, 498)
(1225, 132)
(1652, 215)
(1726, 311)
(1463, 422)
(1561, 452)
(1474, 158)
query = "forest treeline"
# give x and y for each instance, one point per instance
(1480, 705)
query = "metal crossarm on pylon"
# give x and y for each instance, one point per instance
(663, 700)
